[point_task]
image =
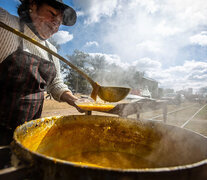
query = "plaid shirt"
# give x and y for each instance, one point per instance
(10, 42)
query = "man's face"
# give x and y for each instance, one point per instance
(46, 20)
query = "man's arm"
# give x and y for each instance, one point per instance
(68, 97)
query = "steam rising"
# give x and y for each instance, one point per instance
(62, 37)
(161, 38)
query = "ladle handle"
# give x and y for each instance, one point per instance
(20, 34)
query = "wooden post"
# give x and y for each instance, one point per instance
(88, 113)
(164, 110)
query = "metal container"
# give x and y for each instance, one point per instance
(101, 147)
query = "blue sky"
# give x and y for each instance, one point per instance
(167, 39)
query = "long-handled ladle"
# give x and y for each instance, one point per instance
(106, 93)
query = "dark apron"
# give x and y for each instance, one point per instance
(23, 78)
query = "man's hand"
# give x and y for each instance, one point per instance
(68, 97)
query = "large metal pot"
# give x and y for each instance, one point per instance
(102, 147)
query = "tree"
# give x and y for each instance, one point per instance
(98, 68)
(101, 71)
(75, 81)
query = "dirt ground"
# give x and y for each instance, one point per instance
(197, 123)
(54, 108)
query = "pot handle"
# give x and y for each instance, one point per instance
(19, 172)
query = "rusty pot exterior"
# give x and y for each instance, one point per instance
(176, 153)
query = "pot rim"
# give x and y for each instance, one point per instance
(140, 170)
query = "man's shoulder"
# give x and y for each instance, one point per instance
(5, 13)
(3, 10)
(8, 18)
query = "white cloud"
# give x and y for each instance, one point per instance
(80, 13)
(191, 74)
(136, 28)
(151, 36)
(149, 46)
(112, 59)
(165, 29)
(91, 43)
(200, 39)
(95, 9)
(62, 37)
(146, 64)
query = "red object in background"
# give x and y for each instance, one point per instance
(136, 92)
